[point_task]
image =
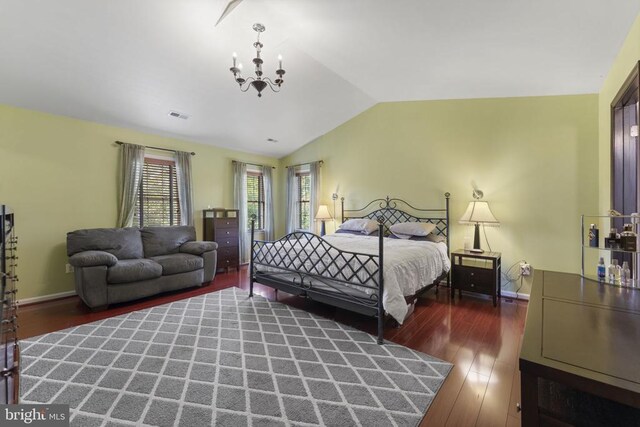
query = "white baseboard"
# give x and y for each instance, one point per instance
(49, 297)
(511, 294)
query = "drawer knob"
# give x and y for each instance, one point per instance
(228, 223)
(473, 285)
(472, 274)
(228, 232)
(228, 242)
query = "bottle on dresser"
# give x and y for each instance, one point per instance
(602, 270)
(628, 239)
(611, 271)
(594, 236)
(625, 276)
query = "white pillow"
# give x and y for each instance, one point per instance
(412, 229)
(364, 226)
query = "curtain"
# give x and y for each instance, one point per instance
(314, 174)
(268, 203)
(185, 188)
(240, 203)
(292, 198)
(131, 165)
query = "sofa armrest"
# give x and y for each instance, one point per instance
(92, 258)
(91, 285)
(198, 247)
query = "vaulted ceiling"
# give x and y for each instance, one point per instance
(129, 62)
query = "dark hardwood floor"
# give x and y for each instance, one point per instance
(482, 342)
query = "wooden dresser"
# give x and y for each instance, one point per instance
(221, 226)
(580, 357)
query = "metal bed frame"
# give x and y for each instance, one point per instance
(304, 264)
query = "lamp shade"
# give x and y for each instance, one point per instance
(323, 213)
(479, 212)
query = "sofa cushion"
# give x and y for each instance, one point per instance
(165, 240)
(124, 243)
(133, 270)
(178, 263)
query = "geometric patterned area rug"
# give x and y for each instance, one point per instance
(225, 359)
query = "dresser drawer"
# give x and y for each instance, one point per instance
(227, 261)
(226, 223)
(227, 234)
(226, 242)
(228, 251)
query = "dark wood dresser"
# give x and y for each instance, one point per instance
(221, 226)
(580, 357)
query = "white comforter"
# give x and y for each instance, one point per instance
(408, 266)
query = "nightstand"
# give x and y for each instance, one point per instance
(476, 272)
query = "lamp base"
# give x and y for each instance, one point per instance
(323, 229)
(476, 240)
(476, 251)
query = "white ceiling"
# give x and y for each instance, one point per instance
(128, 62)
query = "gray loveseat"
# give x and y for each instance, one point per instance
(115, 265)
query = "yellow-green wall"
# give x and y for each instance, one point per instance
(536, 159)
(60, 174)
(541, 161)
(627, 57)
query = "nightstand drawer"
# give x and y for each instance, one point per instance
(472, 286)
(480, 276)
(473, 280)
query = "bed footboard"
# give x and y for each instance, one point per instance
(304, 264)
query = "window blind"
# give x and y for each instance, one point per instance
(157, 203)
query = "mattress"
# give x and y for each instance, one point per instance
(408, 265)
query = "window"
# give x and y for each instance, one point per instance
(304, 200)
(157, 203)
(255, 199)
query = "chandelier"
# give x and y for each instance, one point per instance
(258, 82)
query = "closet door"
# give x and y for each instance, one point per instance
(625, 156)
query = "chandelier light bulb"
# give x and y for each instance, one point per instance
(280, 61)
(234, 56)
(240, 66)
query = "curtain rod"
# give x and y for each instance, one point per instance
(157, 148)
(302, 164)
(252, 164)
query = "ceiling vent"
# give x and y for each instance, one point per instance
(178, 115)
(272, 140)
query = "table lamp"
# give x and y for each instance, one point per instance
(477, 213)
(323, 215)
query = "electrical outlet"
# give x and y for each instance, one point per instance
(525, 269)
(68, 268)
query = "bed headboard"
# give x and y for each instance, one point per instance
(391, 211)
